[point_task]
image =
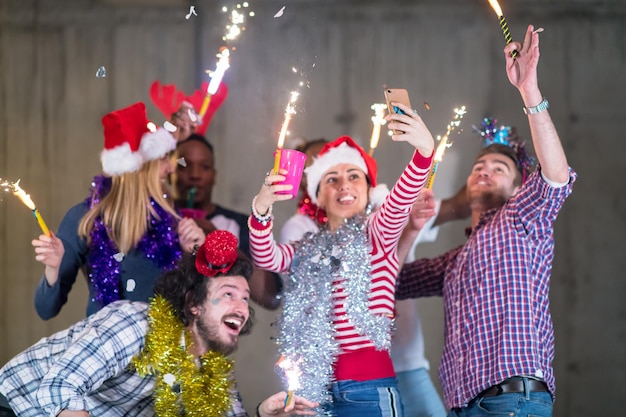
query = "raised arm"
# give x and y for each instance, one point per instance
(522, 73)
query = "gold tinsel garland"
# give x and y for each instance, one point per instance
(182, 387)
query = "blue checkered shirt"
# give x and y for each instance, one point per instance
(86, 367)
(495, 291)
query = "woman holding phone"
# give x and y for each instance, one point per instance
(339, 292)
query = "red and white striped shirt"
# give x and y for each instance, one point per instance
(384, 229)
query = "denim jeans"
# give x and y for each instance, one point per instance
(419, 396)
(375, 398)
(515, 404)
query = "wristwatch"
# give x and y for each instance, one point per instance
(538, 108)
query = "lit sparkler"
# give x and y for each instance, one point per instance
(444, 144)
(290, 110)
(505, 28)
(292, 371)
(14, 187)
(378, 120)
(236, 25)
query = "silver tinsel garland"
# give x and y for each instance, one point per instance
(306, 331)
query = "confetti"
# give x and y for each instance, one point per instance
(181, 162)
(130, 285)
(426, 105)
(192, 12)
(280, 12)
(101, 72)
(169, 126)
(169, 379)
(119, 256)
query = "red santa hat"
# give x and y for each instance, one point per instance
(168, 99)
(129, 142)
(344, 150)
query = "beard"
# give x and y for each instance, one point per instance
(209, 333)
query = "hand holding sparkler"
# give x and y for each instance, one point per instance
(505, 28)
(274, 406)
(49, 250)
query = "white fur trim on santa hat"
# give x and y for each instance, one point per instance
(155, 145)
(342, 154)
(378, 195)
(120, 160)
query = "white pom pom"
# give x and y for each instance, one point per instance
(378, 195)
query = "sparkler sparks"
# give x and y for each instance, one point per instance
(378, 120)
(444, 144)
(14, 187)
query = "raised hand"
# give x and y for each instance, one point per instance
(49, 251)
(267, 194)
(415, 131)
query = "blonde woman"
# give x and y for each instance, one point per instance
(125, 234)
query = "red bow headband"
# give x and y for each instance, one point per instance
(168, 100)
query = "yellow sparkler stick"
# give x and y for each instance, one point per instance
(503, 25)
(28, 202)
(290, 110)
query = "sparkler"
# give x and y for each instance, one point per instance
(292, 371)
(378, 120)
(236, 25)
(290, 110)
(505, 28)
(14, 187)
(444, 144)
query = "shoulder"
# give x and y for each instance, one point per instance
(239, 217)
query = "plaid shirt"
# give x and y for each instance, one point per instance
(495, 289)
(86, 368)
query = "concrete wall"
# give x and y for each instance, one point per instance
(446, 53)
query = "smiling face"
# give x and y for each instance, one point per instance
(342, 193)
(219, 320)
(492, 181)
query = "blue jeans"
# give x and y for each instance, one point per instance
(375, 398)
(419, 396)
(515, 404)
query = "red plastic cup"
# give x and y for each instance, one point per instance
(292, 161)
(192, 213)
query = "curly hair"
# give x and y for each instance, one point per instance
(185, 287)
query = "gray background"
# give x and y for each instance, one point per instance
(446, 53)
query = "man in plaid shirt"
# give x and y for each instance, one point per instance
(499, 339)
(87, 370)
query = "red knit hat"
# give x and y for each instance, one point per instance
(129, 142)
(342, 150)
(217, 254)
(168, 100)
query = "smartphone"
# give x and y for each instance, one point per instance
(397, 95)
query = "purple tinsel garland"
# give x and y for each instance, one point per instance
(160, 244)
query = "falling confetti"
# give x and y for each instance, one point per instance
(181, 162)
(426, 105)
(192, 12)
(102, 72)
(119, 256)
(130, 285)
(280, 12)
(167, 125)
